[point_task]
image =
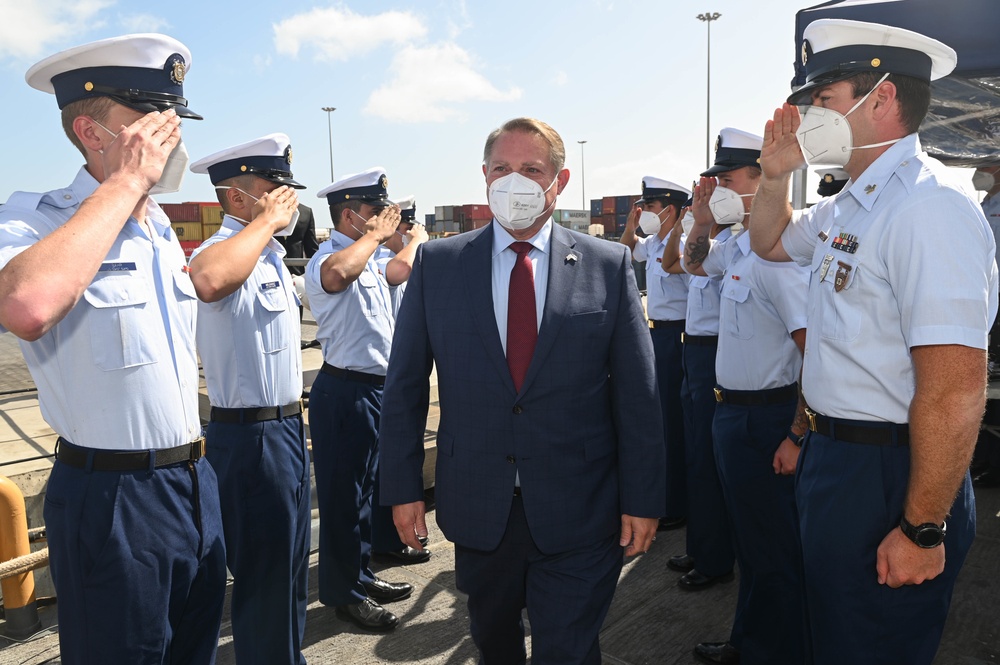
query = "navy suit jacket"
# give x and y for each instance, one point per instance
(584, 432)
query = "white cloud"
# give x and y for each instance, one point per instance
(143, 23)
(338, 33)
(458, 19)
(30, 27)
(560, 78)
(429, 81)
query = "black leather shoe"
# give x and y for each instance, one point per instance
(682, 563)
(406, 555)
(368, 615)
(670, 523)
(988, 478)
(695, 581)
(717, 652)
(387, 592)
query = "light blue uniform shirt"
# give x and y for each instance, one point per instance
(916, 258)
(249, 340)
(382, 257)
(503, 263)
(704, 295)
(119, 371)
(762, 304)
(666, 294)
(354, 326)
(991, 208)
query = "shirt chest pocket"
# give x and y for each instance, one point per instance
(698, 295)
(273, 325)
(737, 310)
(121, 320)
(835, 276)
(370, 293)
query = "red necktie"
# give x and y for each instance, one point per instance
(522, 323)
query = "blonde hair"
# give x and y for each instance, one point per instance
(98, 108)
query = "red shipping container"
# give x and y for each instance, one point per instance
(608, 221)
(189, 246)
(474, 224)
(182, 212)
(608, 205)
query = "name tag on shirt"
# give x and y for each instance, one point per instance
(269, 286)
(116, 267)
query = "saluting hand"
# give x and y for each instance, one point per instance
(141, 149)
(417, 234)
(384, 224)
(781, 153)
(702, 195)
(276, 207)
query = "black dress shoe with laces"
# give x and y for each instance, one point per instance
(387, 592)
(717, 652)
(368, 615)
(695, 581)
(407, 555)
(682, 563)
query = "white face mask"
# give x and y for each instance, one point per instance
(825, 135)
(687, 223)
(287, 231)
(727, 206)
(517, 201)
(983, 181)
(173, 170)
(650, 222)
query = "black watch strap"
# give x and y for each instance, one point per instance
(927, 535)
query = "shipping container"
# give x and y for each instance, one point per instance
(473, 224)
(620, 221)
(445, 213)
(477, 211)
(211, 214)
(623, 204)
(608, 205)
(566, 216)
(608, 222)
(182, 212)
(189, 246)
(187, 230)
(595, 208)
(429, 220)
(209, 230)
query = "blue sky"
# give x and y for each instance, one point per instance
(418, 86)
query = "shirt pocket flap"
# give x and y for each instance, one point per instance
(272, 299)
(735, 291)
(117, 291)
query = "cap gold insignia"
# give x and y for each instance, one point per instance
(177, 71)
(828, 178)
(805, 52)
(384, 182)
(88, 86)
(718, 143)
(347, 196)
(876, 62)
(243, 168)
(288, 154)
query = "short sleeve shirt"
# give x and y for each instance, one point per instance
(666, 294)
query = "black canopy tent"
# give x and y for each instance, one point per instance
(962, 127)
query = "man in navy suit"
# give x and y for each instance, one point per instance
(550, 461)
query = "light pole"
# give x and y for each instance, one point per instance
(329, 128)
(707, 19)
(583, 179)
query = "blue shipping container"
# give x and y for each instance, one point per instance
(429, 220)
(595, 207)
(623, 204)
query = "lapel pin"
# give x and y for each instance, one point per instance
(870, 188)
(571, 258)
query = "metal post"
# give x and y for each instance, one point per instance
(583, 179)
(329, 127)
(707, 18)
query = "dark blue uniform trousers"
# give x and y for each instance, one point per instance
(138, 562)
(769, 624)
(385, 538)
(850, 497)
(709, 537)
(669, 377)
(343, 420)
(567, 596)
(263, 471)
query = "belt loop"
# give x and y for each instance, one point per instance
(280, 415)
(89, 466)
(152, 461)
(242, 412)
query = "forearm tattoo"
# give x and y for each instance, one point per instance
(696, 250)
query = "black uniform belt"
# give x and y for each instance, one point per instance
(700, 340)
(349, 374)
(258, 415)
(127, 460)
(872, 432)
(666, 324)
(758, 397)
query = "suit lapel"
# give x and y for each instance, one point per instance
(562, 274)
(477, 270)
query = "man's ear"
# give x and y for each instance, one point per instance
(89, 134)
(562, 178)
